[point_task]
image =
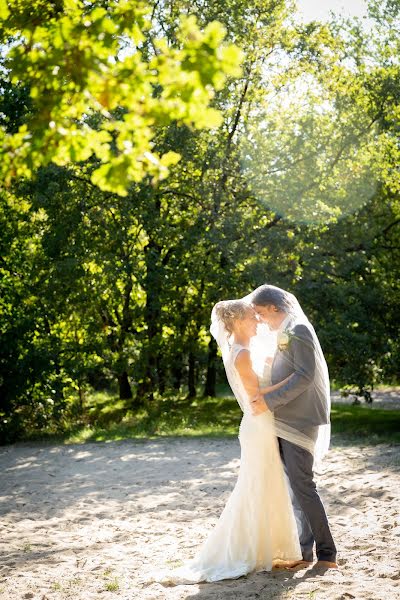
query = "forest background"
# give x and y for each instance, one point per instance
(155, 162)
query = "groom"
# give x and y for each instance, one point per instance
(298, 404)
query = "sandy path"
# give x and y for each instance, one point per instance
(91, 521)
(387, 398)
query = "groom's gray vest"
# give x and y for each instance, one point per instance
(301, 402)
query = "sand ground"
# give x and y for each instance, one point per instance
(92, 521)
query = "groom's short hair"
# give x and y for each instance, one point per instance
(269, 295)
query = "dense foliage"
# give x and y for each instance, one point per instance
(108, 275)
(100, 79)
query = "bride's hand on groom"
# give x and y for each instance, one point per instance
(258, 405)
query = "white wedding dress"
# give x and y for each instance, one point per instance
(257, 526)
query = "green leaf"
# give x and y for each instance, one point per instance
(4, 10)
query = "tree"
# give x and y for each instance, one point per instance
(105, 60)
(118, 290)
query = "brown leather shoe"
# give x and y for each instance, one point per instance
(300, 564)
(325, 564)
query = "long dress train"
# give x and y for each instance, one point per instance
(257, 527)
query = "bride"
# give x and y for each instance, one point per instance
(257, 528)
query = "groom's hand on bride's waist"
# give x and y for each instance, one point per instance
(258, 405)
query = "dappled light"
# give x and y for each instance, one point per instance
(79, 517)
(160, 161)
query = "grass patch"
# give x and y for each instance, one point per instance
(76, 582)
(107, 572)
(173, 564)
(56, 586)
(173, 416)
(375, 425)
(109, 419)
(112, 586)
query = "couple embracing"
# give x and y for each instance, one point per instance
(276, 369)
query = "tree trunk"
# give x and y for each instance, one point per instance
(152, 314)
(160, 376)
(125, 391)
(177, 375)
(211, 377)
(81, 396)
(191, 376)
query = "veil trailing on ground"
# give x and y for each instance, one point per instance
(312, 435)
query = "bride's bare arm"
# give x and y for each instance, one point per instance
(249, 379)
(250, 382)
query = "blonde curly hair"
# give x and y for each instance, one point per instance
(229, 311)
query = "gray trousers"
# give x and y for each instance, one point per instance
(309, 510)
